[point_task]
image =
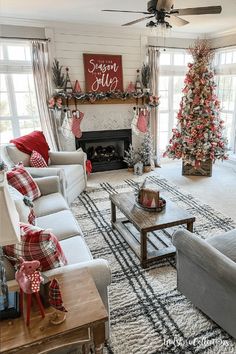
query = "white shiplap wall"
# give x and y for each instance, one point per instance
(69, 44)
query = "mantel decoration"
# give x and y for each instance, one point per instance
(103, 72)
(58, 77)
(198, 138)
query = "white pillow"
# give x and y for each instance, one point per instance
(22, 209)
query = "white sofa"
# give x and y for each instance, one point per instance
(70, 167)
(53, 212)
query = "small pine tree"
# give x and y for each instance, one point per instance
(58, 77)
(198, 136)
(130, 156)
(146, 151)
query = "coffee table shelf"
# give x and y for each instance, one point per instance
(145, 231)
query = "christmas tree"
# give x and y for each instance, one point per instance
(146, 152)
(198, 136)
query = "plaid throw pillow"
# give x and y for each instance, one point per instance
(37, 244)
(37, 160)
(20, 179)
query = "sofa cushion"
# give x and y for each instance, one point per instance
(49, 204)
(12, 156)
(20, 179)
(72, 173)
(76, 250)
(33, 141)
(37, 244)
(63, 224)
(225, 243)
(22, 209)
(37, 160)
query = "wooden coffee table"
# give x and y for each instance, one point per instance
(139, 228)
(85, 320)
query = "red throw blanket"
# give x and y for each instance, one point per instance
(33, 141)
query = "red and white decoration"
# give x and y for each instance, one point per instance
(20, 179)
(77, 117)
(37, 160)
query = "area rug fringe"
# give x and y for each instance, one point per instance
(148, 314)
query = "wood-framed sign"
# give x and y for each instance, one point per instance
(103, 72)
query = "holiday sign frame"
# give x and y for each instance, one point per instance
(103, 72)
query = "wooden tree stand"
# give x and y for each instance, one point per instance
(204, 170)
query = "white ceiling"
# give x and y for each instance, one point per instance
(89, 12)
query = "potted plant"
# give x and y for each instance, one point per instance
(146, 76)
(130, 158)
(58, 77)
(146, 152)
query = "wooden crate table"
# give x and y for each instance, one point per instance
(140, 227)
(86, 317)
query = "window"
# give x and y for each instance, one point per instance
(173, 67)
(225, 64)
(18, 107)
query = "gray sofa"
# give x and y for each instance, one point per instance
(53, 212)
(206, 275)
(70, 167)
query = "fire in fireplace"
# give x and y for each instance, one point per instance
(105, 148)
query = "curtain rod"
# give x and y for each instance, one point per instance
(213, 48)
(27, 39)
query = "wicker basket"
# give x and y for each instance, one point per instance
(204, 170)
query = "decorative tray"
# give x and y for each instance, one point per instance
(162, 205)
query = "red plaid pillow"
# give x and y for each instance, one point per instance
(20, 179)
(37, 244)
(37, 160)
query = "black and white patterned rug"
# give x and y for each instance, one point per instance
(148, 314)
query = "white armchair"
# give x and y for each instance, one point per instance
(70, 167)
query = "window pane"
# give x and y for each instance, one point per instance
(3, 86)
(21, 82)
(178, 59)
(16, 52)
(229, 58)
(163, 122)
(1, 53)
(188, 59)
(228, 119)
(5, 131)
(234, 57)
(4, 105)
(164, 83)
(165, 59)
(163, 137)
(26, 104)
(178, 86)
(28, 125)
(164, 102)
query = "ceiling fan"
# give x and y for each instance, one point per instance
(161, 10)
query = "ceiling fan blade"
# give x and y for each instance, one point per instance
(164, 5)
(132, 12)
(199, 10)
(138, 20)
(177, 21)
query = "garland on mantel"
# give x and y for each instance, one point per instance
(56, 101)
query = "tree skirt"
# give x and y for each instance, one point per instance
(148, 314)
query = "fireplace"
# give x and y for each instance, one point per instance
(105, 148)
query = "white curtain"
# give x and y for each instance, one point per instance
(41, 72)
(154, 62)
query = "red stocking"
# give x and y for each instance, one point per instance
(143, 120)
(76, 121)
